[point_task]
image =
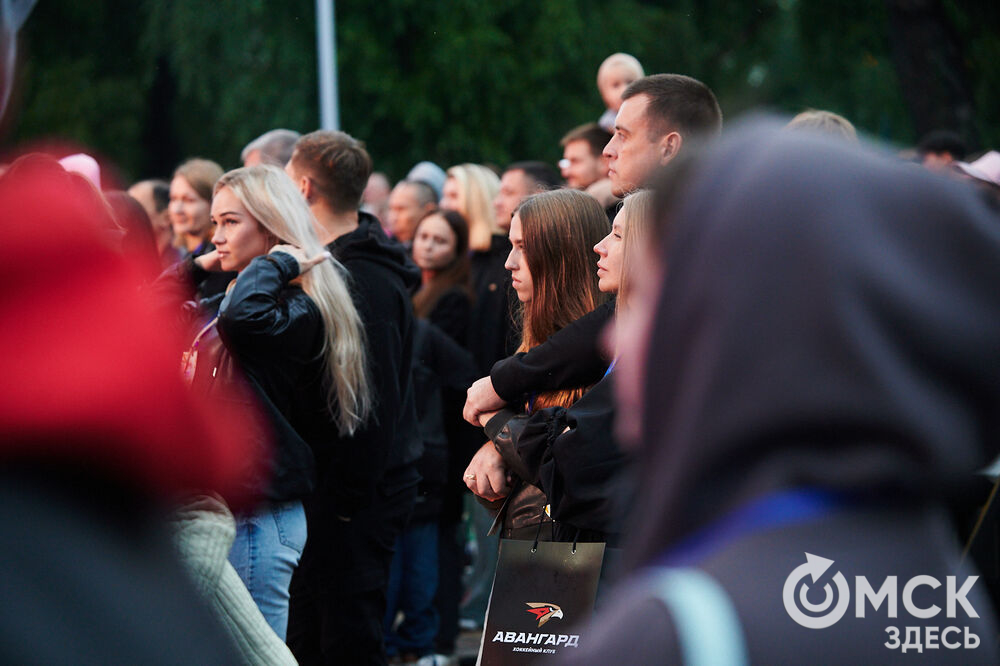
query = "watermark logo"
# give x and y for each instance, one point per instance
(544, 611)
(797, 590)
(812, 580)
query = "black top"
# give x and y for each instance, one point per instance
(571, 454)
(492, 332)
(571, 357)
(451, 313)
(442, 370)
(381, 277)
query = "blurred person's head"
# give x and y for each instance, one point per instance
(331, 170)
(191, 200)
(658, 114)
(583, 162)
(139, 240)
(375, 197)
(409, 202)
(938, 149)
(274, 147)
(154, 195)
(787, 346)
(470, 189)
(815, 120)
(614, 75)
(113, 401)
(255, 209)
(518, 181)
(429, 173)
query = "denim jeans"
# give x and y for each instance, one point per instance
(268, 545)
(413, 581)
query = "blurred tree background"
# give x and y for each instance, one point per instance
(147, 83)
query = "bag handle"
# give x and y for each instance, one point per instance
(708, 627)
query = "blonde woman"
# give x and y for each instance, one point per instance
(288, 322)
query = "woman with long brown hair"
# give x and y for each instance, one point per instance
(552, 271)
(441, 251)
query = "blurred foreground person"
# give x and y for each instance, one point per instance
(98, 435)
(814, 377)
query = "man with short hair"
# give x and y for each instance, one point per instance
(409, 202)
(658, 114)
(274, 148)
(583, 164)
(518, 181)
(368, 482)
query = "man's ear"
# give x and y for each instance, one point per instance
(670, 145)
(306, 188)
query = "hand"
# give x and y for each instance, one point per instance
(305, 263)
(485, 417)
(481, 398)
(209, 261)
(485, 476)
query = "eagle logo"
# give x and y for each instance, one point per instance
(544, 612)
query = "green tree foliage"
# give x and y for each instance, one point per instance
(150, 82)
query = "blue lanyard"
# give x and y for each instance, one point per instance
(776, 510)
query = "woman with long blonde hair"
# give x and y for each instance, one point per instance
(288, 323)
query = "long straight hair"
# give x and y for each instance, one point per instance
(479, 187)
(636, 219)
(272, 199)
(456, 273)
(559, 229)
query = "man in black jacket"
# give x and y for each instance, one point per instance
(368, 482)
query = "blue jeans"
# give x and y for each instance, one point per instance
(267, 549)
(412, 584)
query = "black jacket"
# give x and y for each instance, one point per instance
(451, 313)
(380, 456)
(571, 454)
(442, 370)
(274, 333)
(569, 358)
(492, 331)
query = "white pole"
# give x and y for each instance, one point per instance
(326, 50)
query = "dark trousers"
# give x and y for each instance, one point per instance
(449, 591)
(338, 594)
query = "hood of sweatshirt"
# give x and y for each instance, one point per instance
(830, 319)
(370, 243)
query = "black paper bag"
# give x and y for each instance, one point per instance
(540, 590)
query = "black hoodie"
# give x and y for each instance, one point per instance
(379, 457)
(827, 337)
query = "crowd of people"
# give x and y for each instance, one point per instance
(716, 354)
